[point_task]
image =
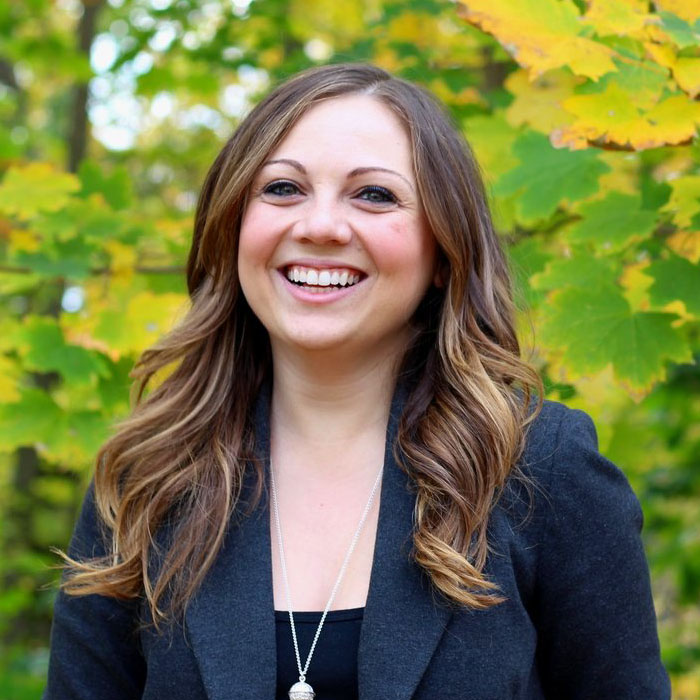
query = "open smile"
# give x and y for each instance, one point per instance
(323, 280)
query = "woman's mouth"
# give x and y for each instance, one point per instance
(320, 280)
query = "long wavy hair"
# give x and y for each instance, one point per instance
(177, 463)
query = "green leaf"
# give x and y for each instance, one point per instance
(527, 258)
(115, 188)
(678, 29)
(675, 278)
(30, 420)
(612, 223)
(645, 79)
(548, 177)
(596, 327)
(582, 270)
(492, 139)
(36, 187)
(44, 349)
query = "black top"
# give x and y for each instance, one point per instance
(333, 669)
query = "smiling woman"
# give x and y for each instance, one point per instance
(349, 485)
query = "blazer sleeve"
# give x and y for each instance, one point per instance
(596, 621)
(95, 653)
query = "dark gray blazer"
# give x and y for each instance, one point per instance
(578, 623)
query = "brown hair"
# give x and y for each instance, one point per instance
(178, 460)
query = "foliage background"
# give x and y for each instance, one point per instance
(583, 113)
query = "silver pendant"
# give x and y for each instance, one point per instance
(301, 691)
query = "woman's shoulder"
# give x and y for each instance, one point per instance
(554, 426)
(571, 478)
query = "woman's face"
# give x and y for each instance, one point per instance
(334, 250)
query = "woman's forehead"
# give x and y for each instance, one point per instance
(356, 127)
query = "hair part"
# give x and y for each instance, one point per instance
(177, 463)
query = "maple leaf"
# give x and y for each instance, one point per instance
(581, 270)
(29, 189)
(31, 419)
(42, 348)
(541, 34)
(138, 324)
(613, 222)
(617, 17)
(596, 327)
(537, 102)
(546, 177)
(611, 117)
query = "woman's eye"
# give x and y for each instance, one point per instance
(377, 195)
(281, 188)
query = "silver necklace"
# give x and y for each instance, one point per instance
(302, 690)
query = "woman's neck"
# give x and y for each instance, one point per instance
(330, 404)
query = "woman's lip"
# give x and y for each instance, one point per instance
(333, 293)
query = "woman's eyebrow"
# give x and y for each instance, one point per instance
(376, 168)
(353, 173)
(287, 161)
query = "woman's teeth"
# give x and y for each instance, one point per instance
(312, 278)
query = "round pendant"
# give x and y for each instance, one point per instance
(301, 691)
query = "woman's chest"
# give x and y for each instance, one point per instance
(323, 546)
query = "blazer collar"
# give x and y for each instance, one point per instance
(231, 619)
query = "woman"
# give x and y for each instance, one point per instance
(349, 428)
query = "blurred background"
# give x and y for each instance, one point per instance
(583, 114)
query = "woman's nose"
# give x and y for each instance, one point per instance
(322, 222)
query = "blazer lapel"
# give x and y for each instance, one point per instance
(402, 624)
(231, 620)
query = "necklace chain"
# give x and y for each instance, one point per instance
(336, 586)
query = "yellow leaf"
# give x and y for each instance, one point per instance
(673, 121)
(685, 199)
(413, 27)
(23, 241)
(689, 10)
(145, 318)
(618, 17)
(492, 139)
(610, 117)
(663, 54)
(686, 71)
(623, 175)
(29, 189)
(538, 102)
(385, 57)
(686, 244)
(541, 34)
(271, 58)
(9, 380)
(466, 96)
(123, 258)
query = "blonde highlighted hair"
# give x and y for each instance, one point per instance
(177, 462)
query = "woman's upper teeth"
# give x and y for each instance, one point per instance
(337, 276)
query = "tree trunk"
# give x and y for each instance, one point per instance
(78, 123)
